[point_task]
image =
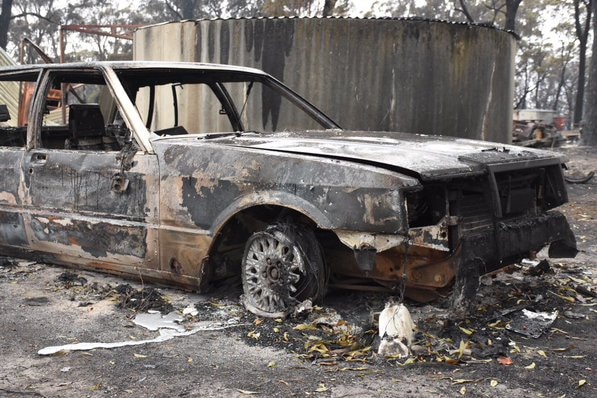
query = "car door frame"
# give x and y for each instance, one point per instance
(125, 242)
(13, 236)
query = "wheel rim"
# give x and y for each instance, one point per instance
(273, 269)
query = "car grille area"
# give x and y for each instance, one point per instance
(480, 202)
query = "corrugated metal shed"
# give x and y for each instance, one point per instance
(9, 91)
(408, 75)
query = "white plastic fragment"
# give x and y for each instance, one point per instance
(530, 263)
(532, 324)
(396, 330)
(155, 321)
(165, 335)
(190, 310)
(541, 316)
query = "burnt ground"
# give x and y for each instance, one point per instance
(327, 352)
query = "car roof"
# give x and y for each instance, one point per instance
(131, 65)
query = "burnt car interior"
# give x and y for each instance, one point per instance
(88, 120)
(13, 124)
(80, 113)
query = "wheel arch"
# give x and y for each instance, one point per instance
(247, 215)
(283, 200)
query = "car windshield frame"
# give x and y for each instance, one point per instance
(133, 79)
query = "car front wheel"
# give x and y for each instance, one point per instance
(281, 267)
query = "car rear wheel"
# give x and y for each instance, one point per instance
(282, 266)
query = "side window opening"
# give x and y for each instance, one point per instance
(85, 117)
(167, 109)
(173, 101)
(262, 108)
(16, 93)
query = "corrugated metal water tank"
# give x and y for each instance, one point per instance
(408, 75)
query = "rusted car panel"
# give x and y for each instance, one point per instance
(215, 180)
(122, 177)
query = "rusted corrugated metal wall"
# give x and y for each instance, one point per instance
(9, 91)
(369, 74)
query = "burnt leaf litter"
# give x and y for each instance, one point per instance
(341, 334)
(7, 263)
(142, 300)
(125, 296)
(70, 279)
(324, 336)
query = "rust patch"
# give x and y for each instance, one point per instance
(95, 239)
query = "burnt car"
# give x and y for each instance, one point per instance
(195, 173)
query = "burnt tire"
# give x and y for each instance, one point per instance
(281, 267)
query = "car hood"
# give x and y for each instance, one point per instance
(429, 157)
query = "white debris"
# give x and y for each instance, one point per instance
(530, 263)
(306, 307)
(165, 334)
(532, 324)
(396, 330)
(190, 310)
(155, 321)
(541, 316)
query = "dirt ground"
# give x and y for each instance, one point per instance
(326, 352)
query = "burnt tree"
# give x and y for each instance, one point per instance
(328, 8)
(511, 11)
(582, 34)
(590, 131)
(5, 15)
(497, 8)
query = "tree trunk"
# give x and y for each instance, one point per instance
(328, 8)
(187, 9)
(556, 101)
(511, 11)
(464, 9)
(582, 34)
(5, 22)
(589, 136)
(580, 90)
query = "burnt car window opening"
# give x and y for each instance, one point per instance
(79, 113)
(262, 108)
(200, 102)
(168, 109)
(15, 105)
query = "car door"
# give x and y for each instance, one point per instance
(13, 134)
(90, 190)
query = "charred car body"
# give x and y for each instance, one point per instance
(191, 173)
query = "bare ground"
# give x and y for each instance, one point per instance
(324, 353)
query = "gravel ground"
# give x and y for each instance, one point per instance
(328, 352)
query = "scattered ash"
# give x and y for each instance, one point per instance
(142, 300)
(322, 336)
(69, 279)
(8, 263)
(90, 292)
(221, 310)
(13, 269)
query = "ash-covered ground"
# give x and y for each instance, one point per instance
(327, 351)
